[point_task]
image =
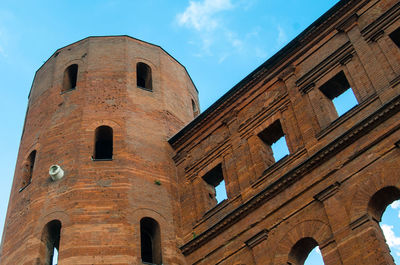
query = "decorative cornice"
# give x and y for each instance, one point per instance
(257, 238)
(373, 30)
(287, 72)
(266, 112)
(346, 25)
(269, 69)
(341, 56)
(328, 192)
(360, 221)
(395, 81)
(295, 174)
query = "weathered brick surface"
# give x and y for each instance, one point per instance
(100, 203)
(329, 191)
(324, 189)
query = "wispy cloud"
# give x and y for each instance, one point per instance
(396, 205)
(207, 19)
(282, 36)
(203, 15)
(391, 239)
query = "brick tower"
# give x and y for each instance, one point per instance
(99, 116)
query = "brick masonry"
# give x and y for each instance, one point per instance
(331, 190)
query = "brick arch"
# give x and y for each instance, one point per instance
(22, 163)
(111, 123)
(60, 215)
(166, 229)
(315, 229)
(137, 60)
(147, 212)
(65, 65)
(372, 182)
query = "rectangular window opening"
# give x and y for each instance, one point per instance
(215, 185)
(275, 141)
(338, 90)
(395, 36)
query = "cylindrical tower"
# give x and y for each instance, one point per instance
(100, 110)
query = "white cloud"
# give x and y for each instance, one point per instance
(398, 254)
(282, 36)
(395, 204)
(318, 250)
(212, 30)
(202, 15)
(391, 239)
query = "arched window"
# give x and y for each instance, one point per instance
(70, 77)
(143, 76)
(50, 243)
(387, 216)
(300, 251)
(103, 148)
(27, 170)
(195, 109)
(150, 241)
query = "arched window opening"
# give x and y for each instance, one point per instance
(150, 240)
(380, 200)
(384, 207)
(195, 109)
(27, 170)
(314, 258)
(301, 251)
(70, 77)
(143, 76)
(103, 143)
(50, 243)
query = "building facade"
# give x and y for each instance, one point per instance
(139, 189)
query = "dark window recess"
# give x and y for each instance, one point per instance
(27, 170)
(103, 143)
(275, 142)
(338, 90)
(50, 241)
(150, 241)
(381, 200)
(215, 186)
(195, 109)
(395, 36)
(143, 76)
(70, 77)
(301, 250)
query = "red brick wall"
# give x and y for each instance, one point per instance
(100, 203)
(323, 189)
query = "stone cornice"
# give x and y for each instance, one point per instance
(341, 56)
(295, 174)
(374, 30)
(268, 70)
(257, 239)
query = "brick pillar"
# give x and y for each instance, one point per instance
(261, 155)
(302, 110)
(372, 247)
(338, 221)
(368, 59)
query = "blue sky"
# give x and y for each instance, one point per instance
(219, 42)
